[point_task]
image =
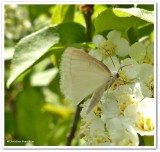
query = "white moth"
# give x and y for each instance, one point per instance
(81, 75)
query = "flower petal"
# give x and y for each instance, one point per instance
(123, 48)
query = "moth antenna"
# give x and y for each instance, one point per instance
(124, 66)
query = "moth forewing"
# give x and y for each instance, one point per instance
(81, 75)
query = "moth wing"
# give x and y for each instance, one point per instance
(96, 97)
(81, 74)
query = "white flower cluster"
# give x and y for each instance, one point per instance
(16, 21)
(127, 108)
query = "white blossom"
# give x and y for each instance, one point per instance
(126, 108)
(114, 45)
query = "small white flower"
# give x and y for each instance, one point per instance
(145, 90)
(146, 75)
(93, 128)
(122, 90)
(110, 110)
(99, 41)
(121, 133)
(139, 53)
(121, 45)
(146, 72)
(131, 112)
(131, 68)
(122, 48)
(145, 120)
(115, 45)
(114, 35)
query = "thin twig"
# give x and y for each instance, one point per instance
(87, 11)
(71, 134)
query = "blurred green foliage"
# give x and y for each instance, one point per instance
(36, 113)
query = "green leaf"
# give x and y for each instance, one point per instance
(59, 132)
(132, 35)
(36, 10)
(146, 30)
(140, 13)
(31, 49)
(98, 8)
(116, 20)
(32, 122)
(62, 13)
(149, 7)
(148, 140)
(71, 33)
